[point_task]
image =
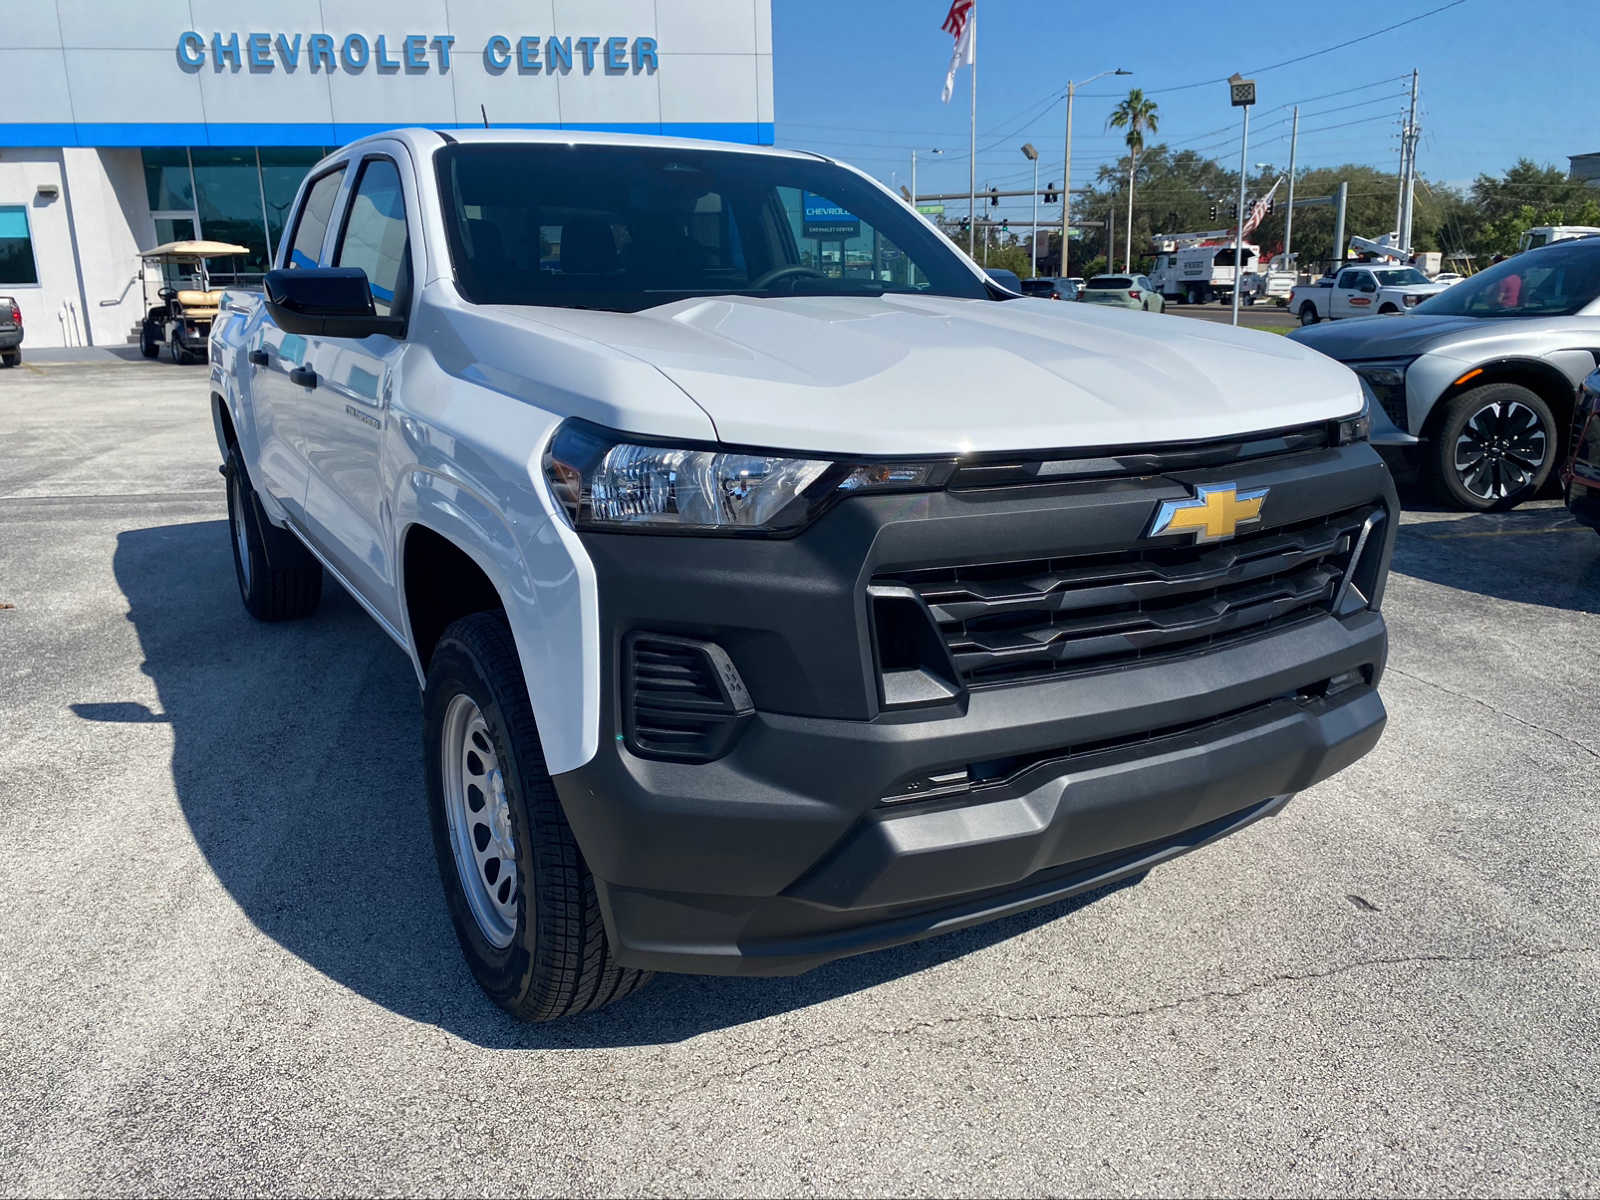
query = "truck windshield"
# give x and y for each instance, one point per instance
(626, 228)
(1400, 276)
(1556, 282)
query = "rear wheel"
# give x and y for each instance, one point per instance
(278, 578)
(1495, 447)
(1308, 314)
(520, 895)
(11, 358)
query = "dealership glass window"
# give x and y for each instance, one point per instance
(227, 189)
(16, 246)
(167, 179)
(282, 169)
(374, 237)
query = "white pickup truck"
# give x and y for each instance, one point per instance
(771, 604)
(1362, 291)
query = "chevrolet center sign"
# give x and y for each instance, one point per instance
(414, 53)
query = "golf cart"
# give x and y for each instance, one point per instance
(185, 305)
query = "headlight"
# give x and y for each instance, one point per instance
(1382, 373)
(1359, 427)
(606, 481)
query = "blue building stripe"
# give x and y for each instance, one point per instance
(756, 133)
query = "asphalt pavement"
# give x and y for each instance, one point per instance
(225, 964)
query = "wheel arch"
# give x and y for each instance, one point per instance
(222, 421)
(1547, 382)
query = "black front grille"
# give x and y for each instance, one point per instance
(683, 699)
(1010, 621)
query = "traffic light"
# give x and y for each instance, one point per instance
(1270, 204)
(1213, 212)
(1233, 209)
(966, 224)
(1050, 192)
(1005, 224)
(994, 197)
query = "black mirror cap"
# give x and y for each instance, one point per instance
(326, 302)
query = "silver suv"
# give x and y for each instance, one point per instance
(1480, 379)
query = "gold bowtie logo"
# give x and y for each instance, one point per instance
(1216, 512)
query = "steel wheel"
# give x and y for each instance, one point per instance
(479, 818)
(1501, 450)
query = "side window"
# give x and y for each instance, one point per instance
(313, 220)
(17, 264)
(1350, 279)
(375, 238)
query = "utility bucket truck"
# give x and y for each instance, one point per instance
(1198, 267)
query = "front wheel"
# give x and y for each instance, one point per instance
(519, 892)
(149, 340)
(1308, 314)
(1495, 447)
(1387, 310)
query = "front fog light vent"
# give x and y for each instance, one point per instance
(682, 699)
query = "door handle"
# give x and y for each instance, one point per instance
(304, 376)
(259, 357)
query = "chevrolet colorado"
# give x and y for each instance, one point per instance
(780, 588)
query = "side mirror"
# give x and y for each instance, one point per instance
(1369, 286)
(326, 302)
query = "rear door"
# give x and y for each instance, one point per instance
(348, 515)
(275, 395)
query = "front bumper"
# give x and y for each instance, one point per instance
(783, 854)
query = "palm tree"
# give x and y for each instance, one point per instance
(1135, 114)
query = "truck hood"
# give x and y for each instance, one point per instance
(1383, 337)
(934, 375)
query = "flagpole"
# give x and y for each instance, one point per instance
(972, 145)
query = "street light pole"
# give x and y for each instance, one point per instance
(1242, 94)
(1066, 171)
(1288, 217)
(1032, 155)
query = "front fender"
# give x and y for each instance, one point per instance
(546, 584)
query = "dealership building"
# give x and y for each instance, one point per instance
(128, 123)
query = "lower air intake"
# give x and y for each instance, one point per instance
(682, 699)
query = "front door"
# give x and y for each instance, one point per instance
(347, 499)
(276, 387)
(1353, 293)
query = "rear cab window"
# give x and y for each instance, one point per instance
(311, 223)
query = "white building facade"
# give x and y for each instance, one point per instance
(133, 122)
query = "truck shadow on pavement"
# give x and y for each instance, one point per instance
(297, 765)
(1528, 556)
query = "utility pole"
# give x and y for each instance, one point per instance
(1066, 175)
(1288, 217)
(1408, 183)
(914, 180)
(1338, 223)
(972, 144)
(1241, 94)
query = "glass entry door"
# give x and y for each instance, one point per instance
(175, 226)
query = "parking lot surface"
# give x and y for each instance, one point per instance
(227, 965)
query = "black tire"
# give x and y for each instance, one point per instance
(1387, 310)
(11, 358)
(559, 962)
(278, 578)
(149, 343)
(1308, 314)
(1519, 439)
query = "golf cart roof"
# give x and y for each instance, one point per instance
(195, 250)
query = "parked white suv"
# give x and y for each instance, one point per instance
(781, 588)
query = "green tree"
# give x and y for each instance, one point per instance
(1135, 114)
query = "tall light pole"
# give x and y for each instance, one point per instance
(935, 150)
(1066, 171)
(1032, 156)
(1241, 94)
(1288, 216)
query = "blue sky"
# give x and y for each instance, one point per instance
(861, 79)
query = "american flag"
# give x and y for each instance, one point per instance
(1258, 210)
(960, 23)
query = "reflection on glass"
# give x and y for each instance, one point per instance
(166, 177)
(228, 192)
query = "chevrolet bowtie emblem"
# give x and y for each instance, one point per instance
(1216, 512)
